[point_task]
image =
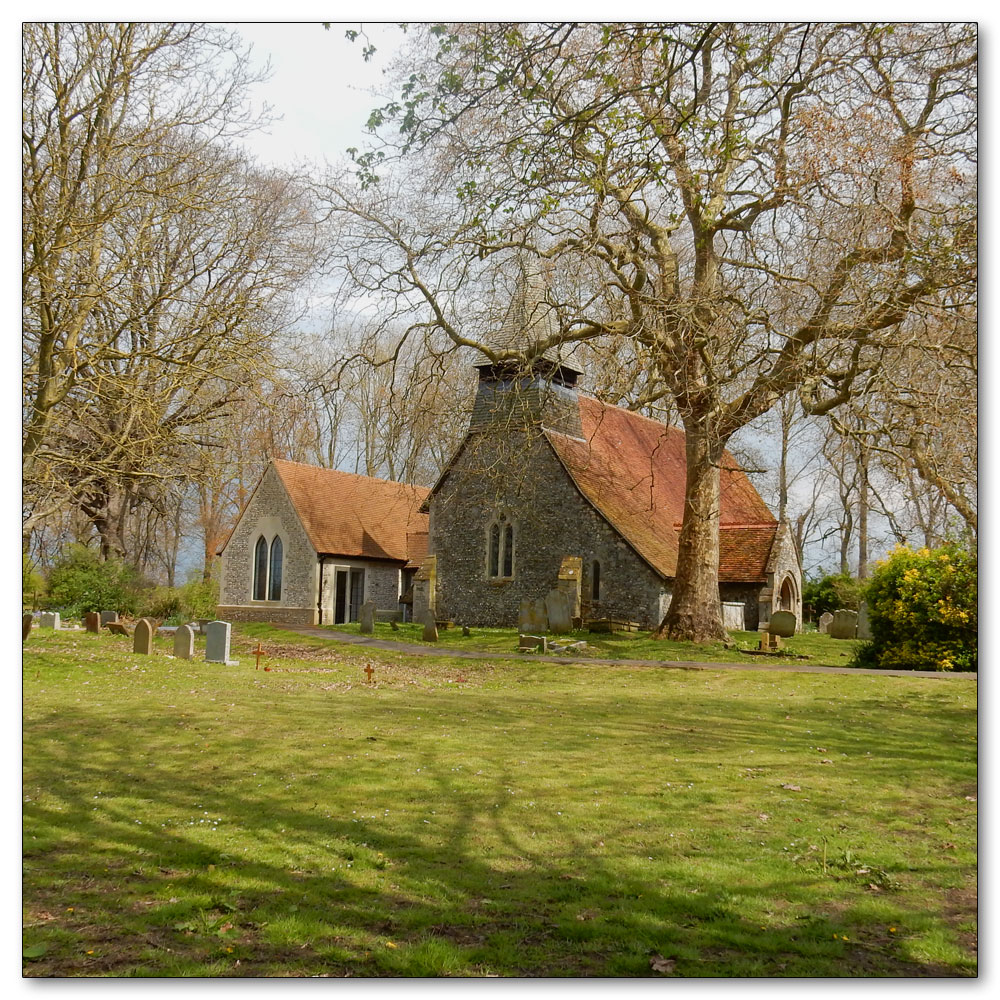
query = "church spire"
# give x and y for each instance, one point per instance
(531, 320)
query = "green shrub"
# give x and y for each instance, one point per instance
(200, 599)
(160, 603)
(196, 599)
(80, 582)
(32, 584)
(832, 592)
(922, 608)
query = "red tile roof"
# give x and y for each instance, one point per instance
(632, 469)
(356, 516)
(744, 551)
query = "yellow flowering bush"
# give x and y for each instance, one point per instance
(922, 608)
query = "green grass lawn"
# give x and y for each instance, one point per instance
(489, 818)
(809, 646)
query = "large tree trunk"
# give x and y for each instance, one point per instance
(695, 612)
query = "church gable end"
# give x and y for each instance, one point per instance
(249, 585)
(502, 522)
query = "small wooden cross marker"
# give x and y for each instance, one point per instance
(260, 652)
(369, 670)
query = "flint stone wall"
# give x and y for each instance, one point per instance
(517, 473)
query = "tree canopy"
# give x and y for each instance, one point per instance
(750, 210)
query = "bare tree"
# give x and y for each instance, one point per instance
(756, 208)
(157, 262)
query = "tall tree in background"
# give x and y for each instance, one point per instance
(157, 262)
(760, 209)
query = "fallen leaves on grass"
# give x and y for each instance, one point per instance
(792, 788)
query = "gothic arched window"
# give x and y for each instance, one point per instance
(500, 549)
(274, 574)
(260, 570)
(595, 581)
(508, 550)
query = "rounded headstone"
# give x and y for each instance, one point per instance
(782, 624)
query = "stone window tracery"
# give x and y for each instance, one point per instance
(500, 549)
(268, 563)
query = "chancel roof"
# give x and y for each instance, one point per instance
(357, 516)
(633, 469)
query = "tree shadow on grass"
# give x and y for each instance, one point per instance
(469, 893)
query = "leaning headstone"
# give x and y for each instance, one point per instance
(92, 621)
(782, 624)
(864, 627)
(217, 636)
(48, 619)
(142, 639)
(844, 625)
(824, 623)
(557, 610)
(108, 616)
(117, 628)
(26, 622)
(430, 625)
(531, 616)
(366, 617)
(184, 642)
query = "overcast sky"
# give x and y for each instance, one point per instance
(320, 85)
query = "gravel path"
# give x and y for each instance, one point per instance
(471, 654)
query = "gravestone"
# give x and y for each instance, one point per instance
(531, 616)
(393, 625)
(26, 622)
(557, 610)
(184, 642)
(734, 616)
(217, 635)
(48, 619)
(366, 617)
(782, 624)
(117, 628)
(203, 624)
(824, 623)
(92, 622)
(430, 625)
(844, 624)
(425, 588)
(864, 628)
(142, 640)
(465, 631)
(570, 582)
(108, 616)
(769, 642)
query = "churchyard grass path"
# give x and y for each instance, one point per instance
(428, 649)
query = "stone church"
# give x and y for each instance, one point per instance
(311, 545)
(550, 483)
